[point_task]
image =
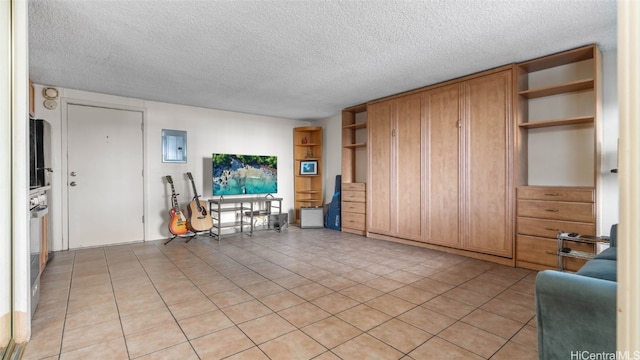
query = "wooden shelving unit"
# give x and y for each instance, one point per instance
(354, 147)
(558, 118)
(558, 122)
(557, 89)
(588, 82)
(307, 146)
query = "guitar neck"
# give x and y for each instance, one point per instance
(193, 184)
(195, 192)
(174, 199)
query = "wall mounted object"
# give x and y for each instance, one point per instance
(174, 146)
(50, 93)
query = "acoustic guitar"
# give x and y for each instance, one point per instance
(199, 218)
(178, 223)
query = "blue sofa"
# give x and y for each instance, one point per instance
(576, 313)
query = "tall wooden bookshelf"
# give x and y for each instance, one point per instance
(307, 149)
(559, 101)
(354, 169)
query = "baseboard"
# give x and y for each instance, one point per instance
(470, 254)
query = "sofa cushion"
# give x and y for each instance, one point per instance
(600, 269)
(575, 312)
(609, 254)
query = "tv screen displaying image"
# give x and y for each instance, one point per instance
(244, 174)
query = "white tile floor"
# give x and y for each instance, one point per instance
(299, 294)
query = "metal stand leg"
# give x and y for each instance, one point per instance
(171, 239)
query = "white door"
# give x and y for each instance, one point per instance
(104, 179)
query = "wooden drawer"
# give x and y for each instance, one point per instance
(551, 228)
(354, 196)
(353, 186)
(353, 221)
(585, 194)
(544, 251)
(353, 207)
(557, 210)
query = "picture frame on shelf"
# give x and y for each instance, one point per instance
(309, 167)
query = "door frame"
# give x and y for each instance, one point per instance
(64, 103)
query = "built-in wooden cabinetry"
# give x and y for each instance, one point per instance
(307, 146)
(488, 164)
(558, 99)
(469, 178)
(354, 168)
(492, 165)
(394, 199)
(353, 207)
(545, 211)
(443, 191)
(441, 166)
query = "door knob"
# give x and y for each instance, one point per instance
(73, 183)
(73, 173)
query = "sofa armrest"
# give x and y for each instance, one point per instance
(574, 313)
(613, 235)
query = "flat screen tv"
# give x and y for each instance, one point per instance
(244, 174)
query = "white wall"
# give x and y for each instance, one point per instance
(608, 203)
(212, 131)
(332, 156)
(208, 131)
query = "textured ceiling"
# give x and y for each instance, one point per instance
(295, 59)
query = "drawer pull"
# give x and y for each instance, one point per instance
(552, 210)
(551, 253)
(550, 229)
(549, 194)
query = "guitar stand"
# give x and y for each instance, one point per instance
(190, 235)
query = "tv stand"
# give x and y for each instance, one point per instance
(238, 215)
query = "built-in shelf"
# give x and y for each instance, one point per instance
(563, 58)
(360, 125)
(308, 189)
(309, 144)
(353, 146)
(558, 122)
(558, 89)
